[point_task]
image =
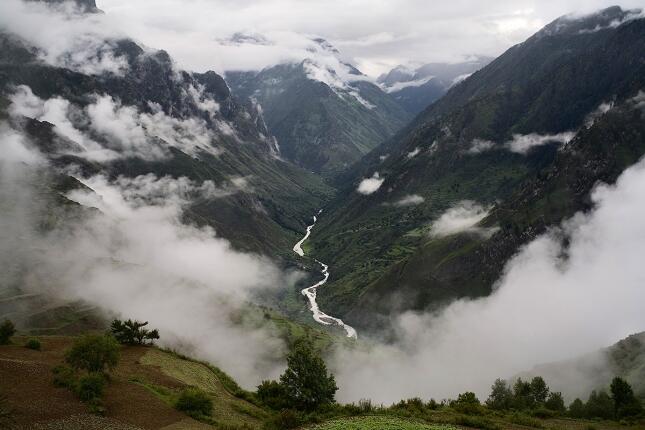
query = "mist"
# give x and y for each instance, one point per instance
(124, 249)
(552, 303)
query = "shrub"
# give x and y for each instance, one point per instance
(33, 344)
(194, 402)
(284, 420)
(91, 386)
(525, 420)
(543, 412)
(475, 422)
(133, 332)
(7, 329)
(467, 403)
(273, 394)
(365, 406)
(64, 376)
(93, 353)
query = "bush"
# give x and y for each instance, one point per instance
(93, 353)
(285, 420)
(475, 422)
(525, 420)
(7, 329)
(501, 396)
(33, 344)
(65, 377)
(91, 386)
(133, 332)
(273, 394)
(194, 402)
(544, 412)
(467, 403)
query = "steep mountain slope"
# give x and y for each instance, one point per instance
(493, 138)
(209, 135)
(152, 127)
(324, 113)
(416, 89)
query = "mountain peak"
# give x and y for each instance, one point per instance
(85, 6)
(571, 24)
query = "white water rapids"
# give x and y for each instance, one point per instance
(310, 292)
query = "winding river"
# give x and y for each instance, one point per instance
(310, 292)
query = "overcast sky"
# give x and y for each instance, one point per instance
(375, 34)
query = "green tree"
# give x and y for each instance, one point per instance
(539, 391)
(599, 405)
(577, 409)
(501, 396)
(306, 380)
(625, 402)
(93, 353)
(467, 403)
(133, 332)
(555, 402)
(7, 329)
(522, 395)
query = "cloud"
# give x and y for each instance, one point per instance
(553, 302)
(123, 130)
(135, 258)
(64, 36)
(409, 200)
(370, 185)
(463, 216)
(480, 145)
(413, 153)
(521, 143)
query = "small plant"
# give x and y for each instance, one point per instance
(33, 344)
(133, 332)
(93, 353)
(194, 402)
(91, 387)
(525, 420)
(65, 377)
(7, 329)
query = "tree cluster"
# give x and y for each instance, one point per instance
(619, 403)
(525, 395)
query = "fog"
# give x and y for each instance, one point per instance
(552, 303)
(134, 258)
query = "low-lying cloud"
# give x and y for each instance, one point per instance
(370, 185)
(521, 143)
(553, 302)
(462, 217)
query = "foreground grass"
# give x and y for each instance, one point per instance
(378, 423)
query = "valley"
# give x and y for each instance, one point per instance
(197, 220)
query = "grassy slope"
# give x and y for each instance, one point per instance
(140, 393)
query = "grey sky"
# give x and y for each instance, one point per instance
(376, 34)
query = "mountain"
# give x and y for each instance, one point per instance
(324, 112)
(147, 123)
(594, 371)
(416, 89)
(518, 146)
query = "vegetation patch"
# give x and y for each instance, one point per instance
(378, 423)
